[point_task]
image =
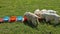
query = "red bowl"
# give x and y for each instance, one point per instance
(25, 18)
(1, 19)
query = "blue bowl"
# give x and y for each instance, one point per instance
(6, 19)
(19, 18)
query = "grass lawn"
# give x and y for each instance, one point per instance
(19, 7)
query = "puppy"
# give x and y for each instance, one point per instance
(32, 17)
(48, 15)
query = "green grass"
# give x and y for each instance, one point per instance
(19, 7)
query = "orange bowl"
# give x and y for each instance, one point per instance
(12, 19)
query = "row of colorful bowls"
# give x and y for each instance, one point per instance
(11, 19)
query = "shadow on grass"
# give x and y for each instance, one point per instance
(30, 24)
(54, 25)
(43, 21)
